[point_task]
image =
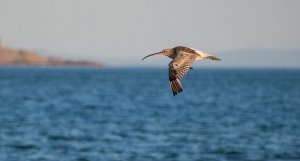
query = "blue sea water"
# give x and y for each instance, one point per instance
(84, 114)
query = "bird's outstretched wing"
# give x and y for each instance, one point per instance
(179, 66)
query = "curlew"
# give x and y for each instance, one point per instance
(183, 58)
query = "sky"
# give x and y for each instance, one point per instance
(244, 33)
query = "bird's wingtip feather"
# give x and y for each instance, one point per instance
(176, 87)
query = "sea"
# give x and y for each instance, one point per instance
(130, 114)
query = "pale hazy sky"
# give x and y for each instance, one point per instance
(122, 32)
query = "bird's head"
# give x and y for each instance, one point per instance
(166, 52)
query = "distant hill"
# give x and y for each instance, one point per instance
(16, 57)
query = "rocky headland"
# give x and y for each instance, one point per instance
(18, 57)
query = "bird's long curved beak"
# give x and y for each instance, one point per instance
(151, 55)
(213, 57)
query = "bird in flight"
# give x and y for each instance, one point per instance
(183, 57)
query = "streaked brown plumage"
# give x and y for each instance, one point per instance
(183, 58)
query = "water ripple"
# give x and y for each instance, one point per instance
(127, 114)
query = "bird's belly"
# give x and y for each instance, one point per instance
(198, 58)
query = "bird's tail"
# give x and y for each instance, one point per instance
(176, 87)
